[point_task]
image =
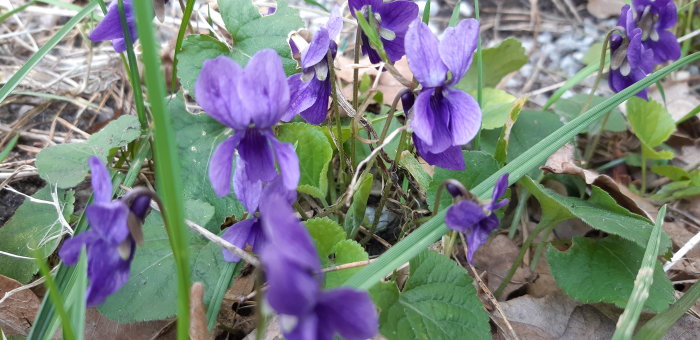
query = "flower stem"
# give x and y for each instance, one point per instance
(476, 144)
(543, 225)
(133, 68)
(644, 171)
(336, 114)
(355, 91)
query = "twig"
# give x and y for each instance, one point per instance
(681, 252)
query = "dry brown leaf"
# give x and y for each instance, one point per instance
(199, 329)
(18, 311)
(496, 257)
(603, 9)
(98, 326)
(562, 162)
(680, 99)
(387, 84)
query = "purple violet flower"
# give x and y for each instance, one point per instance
(655, 18)
(110, 28)
(444, 118)
(250, 101)
(249, 231)
(310, 89)
(391, 20)
(294, 277)
(110, 246)
(475, 221)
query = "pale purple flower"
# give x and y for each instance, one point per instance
(444, 118)
(110, 246)
(391, 21)
(110, 28)
(250, 101)
(310, 89)
(475, 221)
(293, 272)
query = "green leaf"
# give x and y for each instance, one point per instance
(416, 170)
(10, 145)
(368, 28)
(655, 328)
(356, 213)
(603, 270)
(197, 48)
(674, 173)
(197, 137)
(346, 251)
(600, 211)
(506, 57)
(325, 233)
(30, 228)
(571, 108)
(480, 165)
(252, 32)
(151, 293)
(314, 152)
(496, 107)
(650, 121)
(65, 165)
(438, 302)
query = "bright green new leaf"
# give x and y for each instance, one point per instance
(150, 293)
(346, 251)
(314, 152)
(650, 121)
(30, 228)
(197, 137)
(600, 211)
(603, 270)
(506, 57)
(65, 165)
(495, 108)
(325, 233)
(673, 173)
(480, 165)
(438, 302)
(356, 213)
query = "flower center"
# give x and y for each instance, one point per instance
(647, 21)
(619, 59)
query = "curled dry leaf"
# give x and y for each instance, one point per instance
(495, 257)
(198, 313)
(18, 311)
(562, 162)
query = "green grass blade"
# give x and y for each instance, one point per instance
(6, 151)
(133, 69)
(77, 299)
(629, 318)
(168, 176)
(214, 304)
(180, 37)
(476, 143)
(43, 51)
(455, 14)
(426, 12)
(56, 297)
(409, 247)
(577, 78)
(658, 325)
(16, 10)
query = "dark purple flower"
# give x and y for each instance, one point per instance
(644, 41)
(293, 272)
(250, 101)
(249, 231)
(391, 20)
(310, 89)
(444, 118)
(655, 18)
(110, 246)
(475, 221)
(110, 28)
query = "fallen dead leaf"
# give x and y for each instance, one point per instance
(603, 9)
(18, 311)
(680, 99)
(98, 326)
(562, 162)
(496, 257)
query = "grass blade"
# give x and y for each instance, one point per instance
(6, 151)
(658, 325)
(577, 78)
(214, 304)
(168, 177)
(414, 243)
(44, 50)
(56, 297)
(629, 318)
(178, 44)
